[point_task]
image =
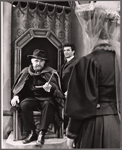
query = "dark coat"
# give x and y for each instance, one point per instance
(66, 71)
(55, 82)
(91, 101)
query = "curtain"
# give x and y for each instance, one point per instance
(40, 15)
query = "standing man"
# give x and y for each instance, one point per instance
(38, 88)
(70, 60)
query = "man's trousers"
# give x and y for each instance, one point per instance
(29, 105)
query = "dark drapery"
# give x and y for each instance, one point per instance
(40, 15)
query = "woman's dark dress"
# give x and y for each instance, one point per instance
(91, 101)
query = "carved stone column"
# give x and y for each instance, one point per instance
(6, 58)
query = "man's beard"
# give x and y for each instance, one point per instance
(37, 68)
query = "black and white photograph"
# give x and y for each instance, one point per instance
(60, 74)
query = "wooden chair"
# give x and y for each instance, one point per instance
(18, 126)
(24, 45)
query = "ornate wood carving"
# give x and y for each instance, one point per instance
(27, 37)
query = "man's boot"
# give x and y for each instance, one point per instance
(41, 138)
(31, 137)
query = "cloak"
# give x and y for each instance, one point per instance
(88, 89)
(81, 101)
(55, 82)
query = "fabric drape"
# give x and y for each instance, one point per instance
(41, 16)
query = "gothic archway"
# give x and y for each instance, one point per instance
(39, 35)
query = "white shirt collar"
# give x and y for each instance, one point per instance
(68, 59)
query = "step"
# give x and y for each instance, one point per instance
(53, 143)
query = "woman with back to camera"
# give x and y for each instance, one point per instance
(93, 107)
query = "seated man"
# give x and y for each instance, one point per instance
(38, 88)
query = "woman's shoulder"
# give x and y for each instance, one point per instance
(88, 57)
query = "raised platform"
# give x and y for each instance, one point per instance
(53, 143)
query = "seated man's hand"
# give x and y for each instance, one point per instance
(15, 100)
(47, 87)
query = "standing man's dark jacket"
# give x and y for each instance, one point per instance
(66, 71)
(20, 88)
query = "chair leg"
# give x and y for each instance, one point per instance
(15, 125)
(14, 121)
(60, 133)
(61, 130)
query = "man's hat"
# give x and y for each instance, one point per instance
(39, 54)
